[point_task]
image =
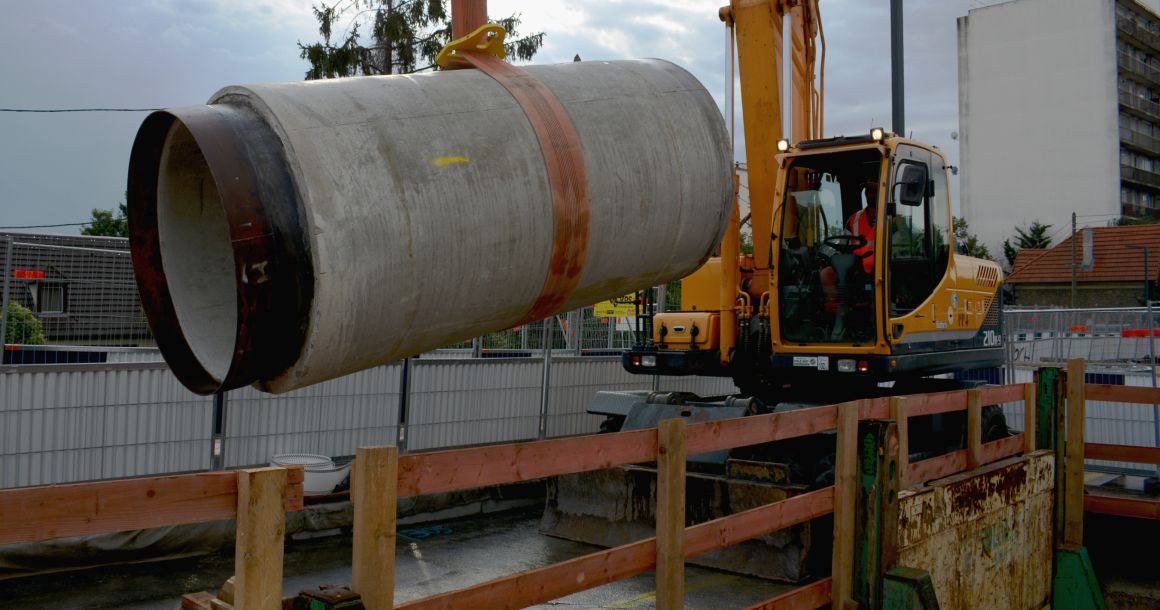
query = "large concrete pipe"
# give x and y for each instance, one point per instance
(285, 234)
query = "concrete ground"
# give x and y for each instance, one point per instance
(430, 558)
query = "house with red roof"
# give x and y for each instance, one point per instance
(1109, 269)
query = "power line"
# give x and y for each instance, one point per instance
(78, 109)
(66, 224)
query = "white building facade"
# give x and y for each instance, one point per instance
(1059, 112)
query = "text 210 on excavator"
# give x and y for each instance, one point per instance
(854, 279)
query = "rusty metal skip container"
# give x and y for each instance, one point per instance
(285, 234)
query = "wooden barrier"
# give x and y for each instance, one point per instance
(1094, 501)
(374, 488)
(1121, 506)
(1122, 453)
(260, 532)
(670, 514)
(974, 429)
(811, 596)
(1072, 494)
(33, 514)
(933, 404)
(846, 488)
(1122, 393)
(257, 498)
(381, 476)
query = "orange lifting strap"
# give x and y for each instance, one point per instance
(560, 145)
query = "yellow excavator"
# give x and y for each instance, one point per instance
(854, 288)
(854, 279)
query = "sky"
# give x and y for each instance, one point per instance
(56, 167)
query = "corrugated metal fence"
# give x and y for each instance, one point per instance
(63, 423)
(129, 416)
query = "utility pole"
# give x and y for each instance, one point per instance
(4, 294)
(1073, 260)
(1151, 344)
(898, 105)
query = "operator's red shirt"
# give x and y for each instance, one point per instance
(862, 225)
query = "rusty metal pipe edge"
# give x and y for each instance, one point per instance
(228, 150)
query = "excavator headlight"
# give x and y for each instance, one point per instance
(783, 145)
(648, 361)
(845, 366)
(877, 133)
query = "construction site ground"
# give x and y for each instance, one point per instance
(448, 555)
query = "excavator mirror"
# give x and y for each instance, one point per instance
(912, 184)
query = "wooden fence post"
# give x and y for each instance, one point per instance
(671, 514)
(898, 413)
(260, 532)
(1028, 417)
(1073, 455)
(374, 485)
(845, 492)
(974, 428)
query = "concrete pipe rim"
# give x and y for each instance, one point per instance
(218, 251)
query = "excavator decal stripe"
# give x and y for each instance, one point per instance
(567, 177)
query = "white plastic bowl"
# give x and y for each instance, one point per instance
(321, 475)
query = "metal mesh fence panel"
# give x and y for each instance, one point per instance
(70, 290)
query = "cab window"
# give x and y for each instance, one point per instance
(919, 231)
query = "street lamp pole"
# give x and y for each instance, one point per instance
(1151, 343)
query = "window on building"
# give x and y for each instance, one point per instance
(50, 297)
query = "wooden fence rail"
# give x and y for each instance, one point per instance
(1094, 501)
(381, 476)
(669, 446)
(258, 498)
(33, 514)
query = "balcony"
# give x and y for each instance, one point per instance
(1139, 176)
(1134, 66)
(1141, 105)
(1139, 140)
(1140, 35)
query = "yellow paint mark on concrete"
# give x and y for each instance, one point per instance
(445, 161)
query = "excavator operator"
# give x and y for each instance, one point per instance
(862, 223)
(840, 302)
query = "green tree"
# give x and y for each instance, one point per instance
(108, 223)
(969, 241)
(1034, 236)
(22, 327)
(404, 36)
(746, 244)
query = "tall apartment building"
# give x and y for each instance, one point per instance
(1059, 112)
(1138, 91)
